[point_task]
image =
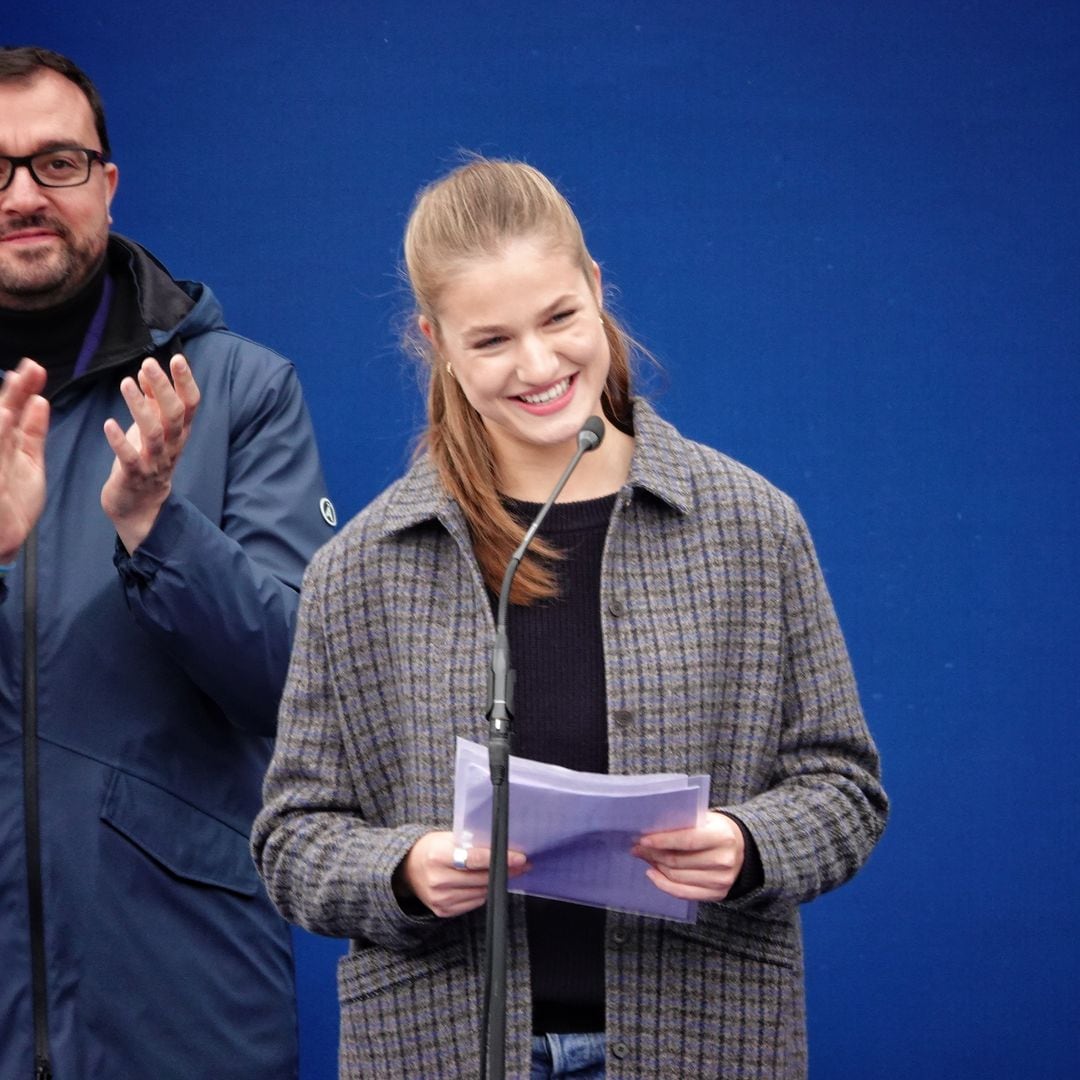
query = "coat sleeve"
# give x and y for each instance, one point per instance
(824, 808)
(221, 596)
(324, 866)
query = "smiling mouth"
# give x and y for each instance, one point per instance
(555, 390)
(25, 235)
(34, 227)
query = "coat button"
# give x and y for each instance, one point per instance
(620, 1049)
(620, 936)
(617, 608)
(623, 717)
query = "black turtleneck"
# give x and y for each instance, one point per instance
(53, 336)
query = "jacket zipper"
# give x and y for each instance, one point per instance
(32, 816)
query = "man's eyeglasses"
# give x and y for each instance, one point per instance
(67, 166)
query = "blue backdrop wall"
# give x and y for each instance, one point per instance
(850, 232)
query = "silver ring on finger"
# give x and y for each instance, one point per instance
(460, 858)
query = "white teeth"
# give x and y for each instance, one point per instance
(550, 394)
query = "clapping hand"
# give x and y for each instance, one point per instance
(147, 453)
(24, 422)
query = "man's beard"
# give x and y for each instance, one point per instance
(36, 279)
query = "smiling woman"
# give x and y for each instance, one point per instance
(523, 334)
(675, 620)
(498, 265)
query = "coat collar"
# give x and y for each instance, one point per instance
(659, 466)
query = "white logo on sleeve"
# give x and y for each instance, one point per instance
(329, 514)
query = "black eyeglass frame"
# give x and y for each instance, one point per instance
(28, 162)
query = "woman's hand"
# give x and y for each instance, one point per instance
(429, 874)
(695, 864)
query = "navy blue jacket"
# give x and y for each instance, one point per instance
(143, 702)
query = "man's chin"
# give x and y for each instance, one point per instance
(36, 283)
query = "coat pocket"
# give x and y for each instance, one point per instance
(369, 971)
(756, 939)
(409, 1014)
(186, 841)
(726, 991)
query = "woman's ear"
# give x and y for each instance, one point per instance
(598, 287)
(426, 328)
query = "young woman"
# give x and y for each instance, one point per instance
(674, 620)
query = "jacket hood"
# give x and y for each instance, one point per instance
(168, 308)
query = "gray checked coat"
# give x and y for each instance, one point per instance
(722, 656)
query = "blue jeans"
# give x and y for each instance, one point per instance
(578, 1056)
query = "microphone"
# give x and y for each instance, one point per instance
(591, 434)
(500, 714)
(500, 685)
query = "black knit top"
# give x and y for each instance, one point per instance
(560, 717)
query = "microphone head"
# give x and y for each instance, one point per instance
(591, 434)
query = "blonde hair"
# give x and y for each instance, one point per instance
(473, 212)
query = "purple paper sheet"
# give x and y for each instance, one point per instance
(577, 829)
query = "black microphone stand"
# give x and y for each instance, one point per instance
(500, 713)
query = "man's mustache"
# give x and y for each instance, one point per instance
(34, 221)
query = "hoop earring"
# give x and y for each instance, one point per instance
(449, 369)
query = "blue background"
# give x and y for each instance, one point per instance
(849, 231)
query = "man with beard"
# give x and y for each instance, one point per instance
(149, 572)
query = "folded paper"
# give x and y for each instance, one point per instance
(577, 828)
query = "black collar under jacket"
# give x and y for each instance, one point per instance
(147, 309)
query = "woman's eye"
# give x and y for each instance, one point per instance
(562, 316)
(489, 343)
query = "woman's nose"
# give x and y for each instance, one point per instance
(536, 361)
